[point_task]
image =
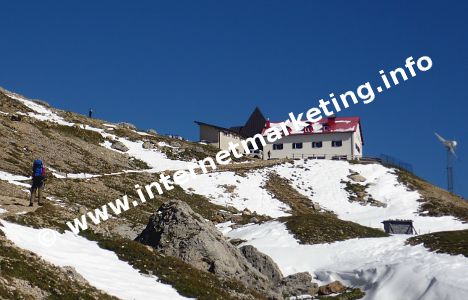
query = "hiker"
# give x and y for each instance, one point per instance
(38, 178)
(90, 113)
(269, 154)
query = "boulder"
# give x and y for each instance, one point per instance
(152, 131)
(16, 118)
(357, 178)
(246, 212)
(334, 287)
(237, 242)
(262, 262)
(176, 230)
(118, 145)
(316, 206)
(148, 145)
(127, 125)
(254, 220)
(298, 284)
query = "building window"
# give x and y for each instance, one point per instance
(297, 145)
(358, 149)
(337, 143)
(277, 146)
(316, 144)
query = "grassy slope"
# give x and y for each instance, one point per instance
(435, 201)
(450, 242)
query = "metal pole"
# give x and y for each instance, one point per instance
(449, 172)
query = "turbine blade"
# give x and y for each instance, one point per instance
(439, 137)
(453, 152)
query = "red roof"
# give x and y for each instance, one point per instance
(325, 125)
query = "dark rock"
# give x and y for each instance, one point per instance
(298, 284)
(16, 118)
(246, 212)
(237, 242)
(118, 145)
(262, 262)
(148, 145)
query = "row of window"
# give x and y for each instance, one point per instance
(314, 145)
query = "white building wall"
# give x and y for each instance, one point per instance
(226, 137)
(327, 151)
(357, 139)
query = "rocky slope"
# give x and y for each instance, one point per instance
(304, 217)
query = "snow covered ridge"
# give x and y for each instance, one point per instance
(157, 160)
(101, 268)
(40, 112)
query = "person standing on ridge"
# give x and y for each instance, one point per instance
(90, 113)
(38, 178)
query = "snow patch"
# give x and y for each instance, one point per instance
(41, 112)
(14, 179)
(101, 268)
(247, 192)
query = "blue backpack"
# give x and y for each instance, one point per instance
(37, 168)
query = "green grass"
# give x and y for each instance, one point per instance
(46, 216)
(350, 294)
(75, 131)
(450, 242)
(319, 227)
(435, 201)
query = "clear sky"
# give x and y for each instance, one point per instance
(164, 64)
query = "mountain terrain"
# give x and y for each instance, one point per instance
(249, 230)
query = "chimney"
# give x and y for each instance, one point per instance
(267, 124)
(331, 119)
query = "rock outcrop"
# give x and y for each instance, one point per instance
(298, 284)
(118, 145)
(148, 145)
(262, 262)
(176, 230)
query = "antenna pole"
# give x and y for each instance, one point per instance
(449, 171)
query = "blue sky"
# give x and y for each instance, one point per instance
(163, 64)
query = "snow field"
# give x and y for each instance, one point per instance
(385, 268)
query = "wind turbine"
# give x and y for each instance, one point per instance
(450, 146)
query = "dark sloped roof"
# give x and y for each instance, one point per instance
(217, 127)
(254, 124)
